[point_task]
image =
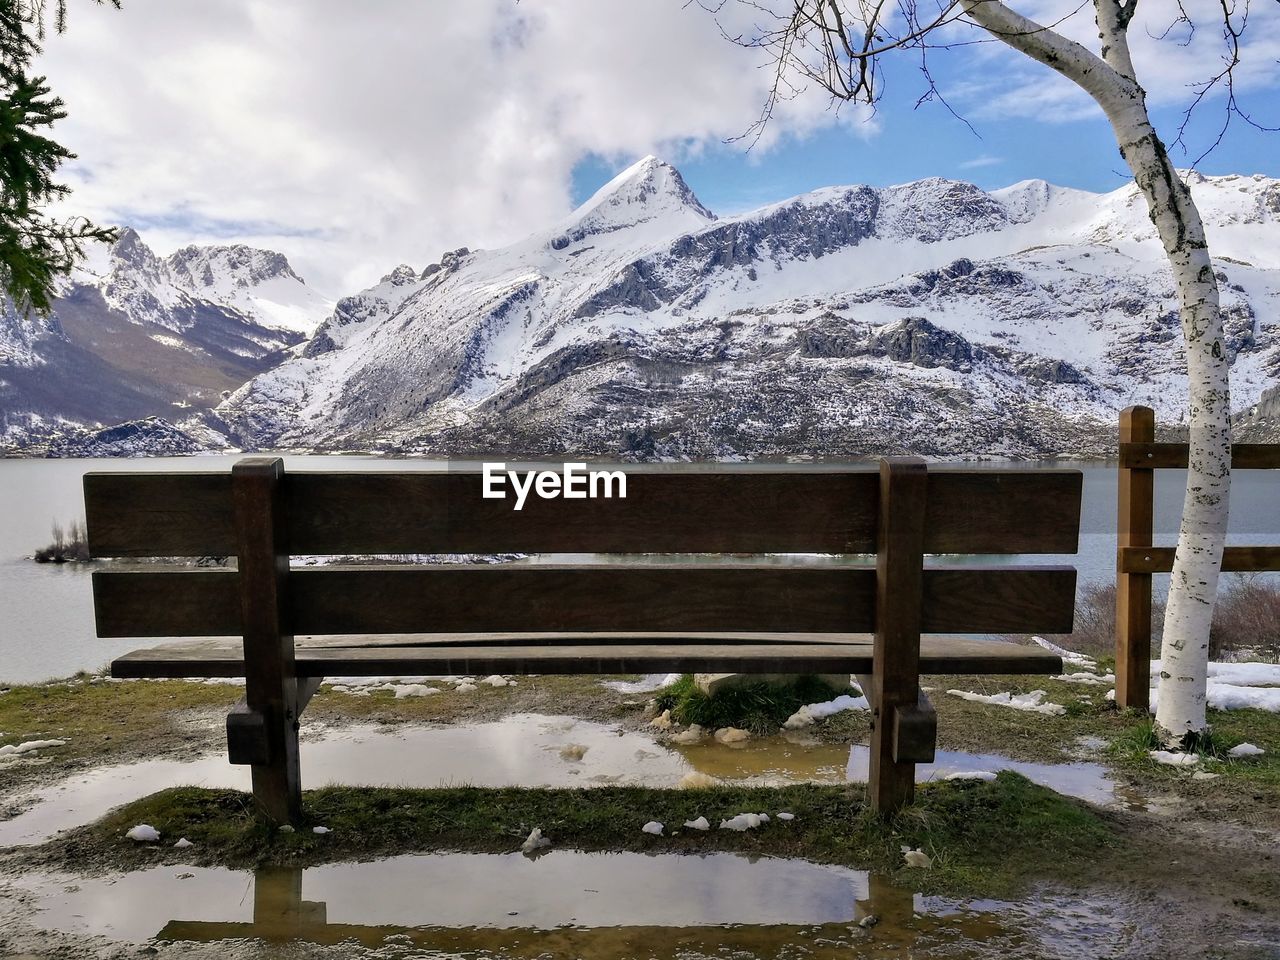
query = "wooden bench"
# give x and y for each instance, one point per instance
(630, 616)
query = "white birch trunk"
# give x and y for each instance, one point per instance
(1193, 587)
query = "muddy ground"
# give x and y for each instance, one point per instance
(1195, 874)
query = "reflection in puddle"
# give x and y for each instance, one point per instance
(523, 749)
(597, 905)
(790, 758)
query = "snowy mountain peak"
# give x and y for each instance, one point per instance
(401, 275)
(237, 264)
(836, 323)
(132, 251)
(259, 285)
(650, 191)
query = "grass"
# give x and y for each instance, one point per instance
(1242, 781)
(985, 837)
(760, 708)
(110, 721)
(102, 719)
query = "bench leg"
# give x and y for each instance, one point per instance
(891, 784)
(277, 784)
(271, 684)
(895, 679)
(267, 740)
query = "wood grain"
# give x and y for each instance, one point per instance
(726, 511)
(1135, 512)
(436, 654)
(263, 599)
(1248, 559)
(900, 604)
(154, 601)
(1159, 456)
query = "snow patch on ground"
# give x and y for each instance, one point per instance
(1229, 696)
(744, 821)
(1032, 702)
(415, 690)
(1247, 674)
(1069, 657)
(646, 684)
(812, 712)
(1087, 678)
(1245, 750)
(143, 833)
(971, 775)
(15, 750)
(1174, 759)
(535, 841)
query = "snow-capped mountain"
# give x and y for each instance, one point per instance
(134, 335)
(257, 284)
(931, 317)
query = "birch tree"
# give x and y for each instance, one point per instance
(842, 45)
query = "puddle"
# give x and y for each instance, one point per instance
(564, 903)
(523, 749)
(774, 760)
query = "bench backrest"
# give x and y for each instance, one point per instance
(683, 510)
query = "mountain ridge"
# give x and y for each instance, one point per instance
(931, 317)
(1061, 297)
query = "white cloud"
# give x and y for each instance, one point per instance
(977, 163)
(355, 136)
(1168, 62)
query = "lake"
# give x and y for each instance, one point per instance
(46, 610)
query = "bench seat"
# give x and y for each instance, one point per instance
(584, 653)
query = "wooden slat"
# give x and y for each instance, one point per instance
(159, 514)
(166, 602)
(185, 602)
(1003, 511)
(390, 513)
(436, 655)
(1234, 559)
(1158, 456)
(727, 511)
(1039, 599)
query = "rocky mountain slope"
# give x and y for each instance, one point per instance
(930, 317)
(133, 335)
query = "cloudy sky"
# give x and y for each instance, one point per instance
(353, 137)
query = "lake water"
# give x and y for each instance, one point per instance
(46, 610)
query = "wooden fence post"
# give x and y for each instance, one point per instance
(891, 780)
(1134, 527)
(271, 693)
